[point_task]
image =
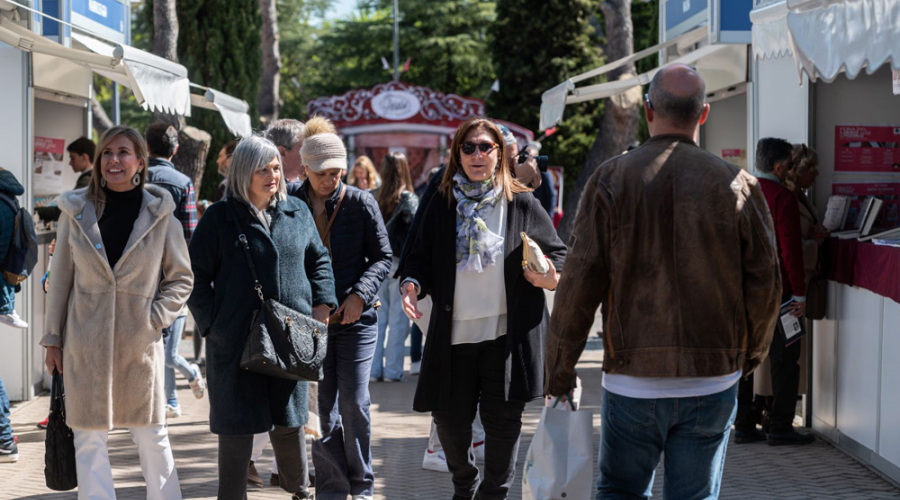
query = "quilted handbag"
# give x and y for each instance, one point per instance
(282, 343)
(59, 444)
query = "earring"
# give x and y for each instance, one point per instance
(136, 180)
(102, 182)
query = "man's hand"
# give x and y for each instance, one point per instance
(321, 313)
(54, 359)
(547, 281)
(411, 301)
(351, 308)
(798, 309)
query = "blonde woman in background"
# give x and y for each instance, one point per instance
(363, 174)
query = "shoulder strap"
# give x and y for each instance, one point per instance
(246, 246)
(337, 207)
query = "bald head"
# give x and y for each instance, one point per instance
(676, 94)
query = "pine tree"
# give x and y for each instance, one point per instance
(219, 43)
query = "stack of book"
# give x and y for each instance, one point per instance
(836, 216)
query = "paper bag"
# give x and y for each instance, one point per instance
(559, 462)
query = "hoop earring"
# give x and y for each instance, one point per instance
(136, 180)
(102, 182)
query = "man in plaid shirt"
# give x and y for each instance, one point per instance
(162, 144)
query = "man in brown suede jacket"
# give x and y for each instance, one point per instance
(679, 247)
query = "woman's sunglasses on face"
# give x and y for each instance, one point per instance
(469, 148)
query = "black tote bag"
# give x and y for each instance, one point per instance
(59, 444)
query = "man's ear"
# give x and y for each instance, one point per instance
(705, 114)
(648, 111)
(176, 150)
(282, 151)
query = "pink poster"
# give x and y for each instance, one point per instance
(55, 147)
(865, 148)
(888, 192)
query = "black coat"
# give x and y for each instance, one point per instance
(401, 220)
(293, 268)
(432, 262)
(360, 249)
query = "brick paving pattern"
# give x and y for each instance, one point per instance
(753, 471)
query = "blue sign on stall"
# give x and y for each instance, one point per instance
(104, 17)
(728, 20)
(682, 16)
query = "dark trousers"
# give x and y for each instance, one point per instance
(289, 445)
(783, 361)
(479, 375)
(415, 344)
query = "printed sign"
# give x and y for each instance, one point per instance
(105, 17)
(735, 157)
(394, 105)
(48, 165)
(888, 192)
(684, 15)
(865, 148)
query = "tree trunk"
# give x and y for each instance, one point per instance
(269, 100)
(193, 143)
(621, 114)
(99, 119)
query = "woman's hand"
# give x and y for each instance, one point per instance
(820, 232)
(54, 359)
(547, 281)
(351, 308)
(321, 313)
(411, 301)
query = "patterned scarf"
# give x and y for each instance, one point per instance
(476, 246)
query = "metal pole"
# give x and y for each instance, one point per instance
(115, 102)
(396, 42)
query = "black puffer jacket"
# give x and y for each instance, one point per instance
(360, 248)
(401, 220)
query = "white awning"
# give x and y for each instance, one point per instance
(830, 35)
(233, 110)
(158, 84)
(720, 65)
(771, 38)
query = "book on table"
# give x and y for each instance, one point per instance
(836, 212)
(891, 234)
(867, 210)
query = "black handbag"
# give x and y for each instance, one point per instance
(817, 292)
(282, 343)
(59, 444)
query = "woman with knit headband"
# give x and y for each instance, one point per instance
(352, 229)
(489, 318)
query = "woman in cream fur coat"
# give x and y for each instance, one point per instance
(121, 273)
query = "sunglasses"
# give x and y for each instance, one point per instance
(469, 148)
(647, 98)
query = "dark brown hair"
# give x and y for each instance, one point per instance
(502, 175)
(395, 179)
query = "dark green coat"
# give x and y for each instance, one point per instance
(293, 268)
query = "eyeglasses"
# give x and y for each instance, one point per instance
(468, 148)
(647, 98)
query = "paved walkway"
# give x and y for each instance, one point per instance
(400, 436)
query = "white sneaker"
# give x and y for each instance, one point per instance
(12, 319)
(198, 385)
(435, 460)
(478, 448)
(361, 497)
(415, 368)
(173, 411)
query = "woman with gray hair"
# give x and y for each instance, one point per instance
(294, 268)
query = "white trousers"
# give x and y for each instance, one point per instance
(94, 472)
(259, 444)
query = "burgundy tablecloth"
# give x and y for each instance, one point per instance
(866, 265)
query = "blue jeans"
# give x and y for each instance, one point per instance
(175, 360)
(393, 326)
(6, 434)
(692, 432)
(343, 457)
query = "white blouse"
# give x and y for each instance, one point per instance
(479, 299)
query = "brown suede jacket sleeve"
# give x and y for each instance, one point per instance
(762, 278)
(581, 289)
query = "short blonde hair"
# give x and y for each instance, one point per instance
(252, 154)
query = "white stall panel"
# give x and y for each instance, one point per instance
(858, 363)
(823, 383)
(13, 140)
(782, 104)
(726, 127)
(889, 437)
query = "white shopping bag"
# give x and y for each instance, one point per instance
(559, 463)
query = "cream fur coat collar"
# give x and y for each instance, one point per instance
(109, 321)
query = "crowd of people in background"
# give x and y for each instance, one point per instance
(379, 261)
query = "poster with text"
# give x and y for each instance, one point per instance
(867, 148)
(888, 192)
(736, 156)
(48, 165)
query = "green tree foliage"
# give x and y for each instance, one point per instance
(537, 45)
(645, 16)
(219, 44)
